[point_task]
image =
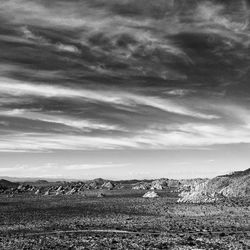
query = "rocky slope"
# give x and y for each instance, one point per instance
(194, 190)
(219, 188)
(4, 184)
(158, 184)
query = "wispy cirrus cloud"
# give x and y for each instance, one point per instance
(156, 136)
(30, 36)
(84, 125)
(93, 166)
(112, 97)
(84, 75)
(42, 142)
(190, 135)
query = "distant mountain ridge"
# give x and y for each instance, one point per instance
(39, 179)
(5, 184)
(233, 185)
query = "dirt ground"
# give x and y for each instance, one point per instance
(121, 220)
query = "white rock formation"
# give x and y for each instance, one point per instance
(150, 194)
(108, 185)
(218, 188)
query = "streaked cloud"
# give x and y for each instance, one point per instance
(155, 137)
(15, 88)
(123, 75)
(85, 125)
(49, 142)
(93, 166)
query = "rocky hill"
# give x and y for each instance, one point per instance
(219, 188)
(158, 184)
(4, 184)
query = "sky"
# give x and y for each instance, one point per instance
(124, 89)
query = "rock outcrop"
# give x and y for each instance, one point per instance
(4, 184)
(37, 192)
(219, 188)
(150, 194)
(141, 186)
(108, 185)
(100, 195)
(160, 184)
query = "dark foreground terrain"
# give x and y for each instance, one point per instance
(121, 220)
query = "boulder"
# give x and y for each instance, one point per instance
(37, 192)
(150, 194)
(72, 191)
(59, 189)
(159, 184)
(47, 193)
(174, 183)
(31, 189)
(100, 195)
(21, 187)
(156, 186)
(141, 186)
(108, 185)
(59, 192)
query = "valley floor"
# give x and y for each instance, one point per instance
(121, 220)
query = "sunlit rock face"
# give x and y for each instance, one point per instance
(159, 184)
(151, 194)
(108, 185)
(217, 189)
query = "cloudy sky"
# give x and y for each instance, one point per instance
(124, 88)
